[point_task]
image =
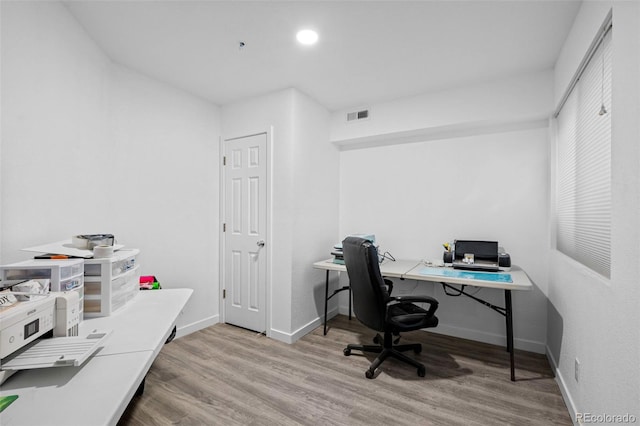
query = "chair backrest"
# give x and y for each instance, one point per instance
(366, 282)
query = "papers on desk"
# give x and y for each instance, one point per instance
(471, 275)
(338, 255)
(66, 248)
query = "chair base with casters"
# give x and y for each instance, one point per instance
(386, 349)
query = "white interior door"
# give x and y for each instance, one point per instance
(245, 222)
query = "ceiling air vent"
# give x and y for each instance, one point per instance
(358, 115)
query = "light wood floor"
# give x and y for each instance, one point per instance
(224, 375)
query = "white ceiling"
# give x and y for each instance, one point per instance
(368, 51)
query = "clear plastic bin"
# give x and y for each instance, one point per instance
(122, 261)
(55, 270)
(111, 282)
(64, 274)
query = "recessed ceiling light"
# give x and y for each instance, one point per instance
(307, 36)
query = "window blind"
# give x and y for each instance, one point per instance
(583, 185)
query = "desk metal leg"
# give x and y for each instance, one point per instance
(326, 300)
(509, 319)
(140, 389)
(507, 312)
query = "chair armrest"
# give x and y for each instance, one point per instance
(389, 285)
(433, 303)
(415, 299)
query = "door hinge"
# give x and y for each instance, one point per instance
(224, 160)
(224, 227)
(224, 293)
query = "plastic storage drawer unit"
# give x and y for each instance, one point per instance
(64, 275)
(110, 282)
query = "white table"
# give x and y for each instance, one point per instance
(415, 270)
(98, 392)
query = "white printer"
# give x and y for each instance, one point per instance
(23, 324)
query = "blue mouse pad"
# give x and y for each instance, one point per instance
(470, 275)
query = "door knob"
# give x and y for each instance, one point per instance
(260, 243)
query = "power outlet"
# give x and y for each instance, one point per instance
(577, 369)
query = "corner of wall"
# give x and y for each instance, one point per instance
(315, 196)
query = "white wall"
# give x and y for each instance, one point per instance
(91, 147)
(591, 318)
(414, 197)
(315, 215)
(466, 163)
(55, 135)
(165, 187)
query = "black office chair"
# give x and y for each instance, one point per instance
(378, 310)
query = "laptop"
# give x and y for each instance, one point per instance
(476, 255)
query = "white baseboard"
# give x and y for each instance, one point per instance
(302, 331)
(274, 333)
(564, 390)
(307, 328)
(491, 338)
(478, 336)
(280, 336)
(198, 325)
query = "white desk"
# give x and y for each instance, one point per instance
(142, 324)
(98, 392)
(388, 268)
(414, 270)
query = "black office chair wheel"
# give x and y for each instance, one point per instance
(376, 339)
(346, 351)
(417, 350)
(369, 374)
(421, 371)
